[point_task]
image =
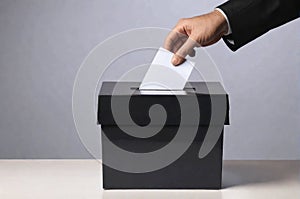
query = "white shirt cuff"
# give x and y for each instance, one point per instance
(228, 24)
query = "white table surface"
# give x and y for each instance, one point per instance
(82, 179)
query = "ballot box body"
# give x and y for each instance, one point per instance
(188, 171)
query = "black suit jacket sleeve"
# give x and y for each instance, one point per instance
(250, 19)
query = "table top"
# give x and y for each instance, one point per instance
(83, 179)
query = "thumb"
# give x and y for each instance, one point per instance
(177, 60)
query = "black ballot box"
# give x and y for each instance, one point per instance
(123, 108)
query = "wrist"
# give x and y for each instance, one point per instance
(221, 21)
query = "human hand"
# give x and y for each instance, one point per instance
(194, 32)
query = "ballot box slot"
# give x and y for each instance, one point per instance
(185, 91)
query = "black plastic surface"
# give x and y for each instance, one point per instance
(188, 171)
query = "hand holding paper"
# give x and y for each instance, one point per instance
(162, 75)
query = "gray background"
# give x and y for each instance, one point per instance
(42, 44)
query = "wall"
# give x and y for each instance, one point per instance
(42, 44)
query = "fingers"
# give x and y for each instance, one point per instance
(181, 45)
(169, 41)
(186, 49)
(174, 41)
(179, 42)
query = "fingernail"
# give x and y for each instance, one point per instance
(175, 61)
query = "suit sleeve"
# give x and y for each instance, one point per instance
(250, 19)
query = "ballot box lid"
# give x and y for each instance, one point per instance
(212, 100)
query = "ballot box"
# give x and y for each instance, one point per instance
(188, 170)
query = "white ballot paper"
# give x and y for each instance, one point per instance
(162, 75)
